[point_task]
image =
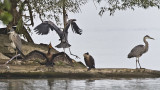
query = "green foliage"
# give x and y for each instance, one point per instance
(5, 16)
(52, 9)
(5, 5)
(46, 10)
(113, 5)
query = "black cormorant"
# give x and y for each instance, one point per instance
(89, 60)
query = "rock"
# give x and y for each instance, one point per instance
(7, 51)
(3, 56)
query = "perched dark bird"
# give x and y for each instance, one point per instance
(89, 61)
(15, 41)
(138, 50)
(45, 27)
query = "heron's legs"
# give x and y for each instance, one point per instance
(64, 54)
(64, 50)
(139, 63)
(73, 54)
(136, 62)
(16, 53)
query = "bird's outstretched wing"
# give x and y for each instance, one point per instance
(42, 28)
(60, 57)
(74, 27)
(45, 27)
(35, 55)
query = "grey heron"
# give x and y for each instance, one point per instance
(139, 50)
(45, 27)
(15, 41)
(89, 60)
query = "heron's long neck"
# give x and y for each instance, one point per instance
(49, 51)
(146, 45)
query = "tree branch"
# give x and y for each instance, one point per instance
(30, 13)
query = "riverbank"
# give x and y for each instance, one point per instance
(41, 71)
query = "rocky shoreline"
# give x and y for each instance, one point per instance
(42, 71)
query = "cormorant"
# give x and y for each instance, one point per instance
(89, 60)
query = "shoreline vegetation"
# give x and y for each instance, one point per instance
(32, 69)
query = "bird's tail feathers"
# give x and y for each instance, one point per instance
(93, 67)
(63, 45)
(130, 55)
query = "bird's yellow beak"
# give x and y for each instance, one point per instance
(50, 45)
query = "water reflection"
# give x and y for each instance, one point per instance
(89, 84)
(76, 84)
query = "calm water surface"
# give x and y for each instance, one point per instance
(80, 84)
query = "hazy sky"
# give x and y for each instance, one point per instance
(109, 39)
(139, 19)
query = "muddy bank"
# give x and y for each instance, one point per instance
(41, 71)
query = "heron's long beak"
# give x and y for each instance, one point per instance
(152, 38)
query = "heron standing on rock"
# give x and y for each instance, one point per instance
(15, 41)
(45, 27)
(139, 50)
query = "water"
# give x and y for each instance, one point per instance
(80, 84)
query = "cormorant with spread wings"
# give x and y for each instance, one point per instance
(48, 57)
